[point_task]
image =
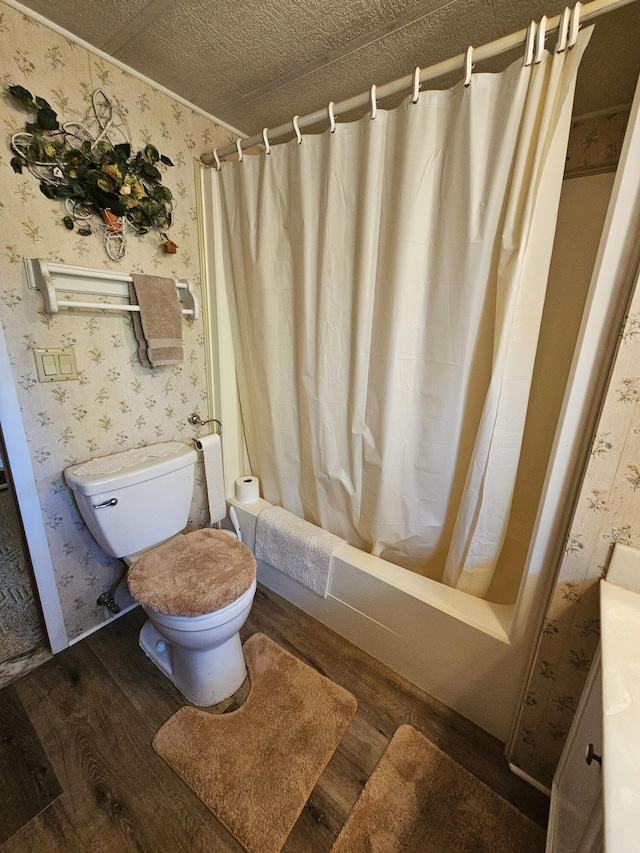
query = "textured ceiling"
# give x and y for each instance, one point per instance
(256, 63)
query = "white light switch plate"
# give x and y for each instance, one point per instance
(55, 365)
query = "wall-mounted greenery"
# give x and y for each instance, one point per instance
(92, 174)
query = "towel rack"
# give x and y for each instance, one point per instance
(51, 279)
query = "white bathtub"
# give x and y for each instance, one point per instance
(463, 651)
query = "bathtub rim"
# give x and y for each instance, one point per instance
(495, 620)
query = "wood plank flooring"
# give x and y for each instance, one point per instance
(95, 707)
(27, 781)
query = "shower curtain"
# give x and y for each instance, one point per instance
(386, 284)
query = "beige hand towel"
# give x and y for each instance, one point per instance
(297, 548)
(158, 326)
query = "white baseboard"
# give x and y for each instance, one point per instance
(533, 782)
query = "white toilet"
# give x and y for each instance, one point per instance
(196, 588)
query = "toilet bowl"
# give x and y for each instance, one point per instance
(201, 655)
(196, 588)
(197, 591)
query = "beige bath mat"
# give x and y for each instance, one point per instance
(418, 800)
(255, 768)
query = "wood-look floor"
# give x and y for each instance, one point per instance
(78, 734)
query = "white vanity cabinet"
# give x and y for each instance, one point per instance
(576, 816)
(595, 798)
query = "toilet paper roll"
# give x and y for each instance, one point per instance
(212, 454)
(247, 489)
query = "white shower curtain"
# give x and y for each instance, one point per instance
(386, 284)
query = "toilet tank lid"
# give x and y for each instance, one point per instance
(119, 470)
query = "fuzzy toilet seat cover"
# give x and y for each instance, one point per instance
(193, 574)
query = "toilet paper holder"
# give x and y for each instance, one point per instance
(195, 420)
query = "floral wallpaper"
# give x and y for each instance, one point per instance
(607, 511)
(595, 143)
(116, 403)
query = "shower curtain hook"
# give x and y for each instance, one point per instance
(216, 159)
(296, 127)
(332, 118)
(239, 147)
(542, 32)
(416, 85)
(563, 30)
(374, 103)
(267, 146)
(575, 25)
(468, 66)
(531, 38)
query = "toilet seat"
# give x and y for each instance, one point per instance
(187, 624)
(193, 575)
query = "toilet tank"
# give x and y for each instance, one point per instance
(136, 499)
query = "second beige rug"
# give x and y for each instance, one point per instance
(418, 800)
(255, 768)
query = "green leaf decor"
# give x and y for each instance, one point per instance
(91, 175)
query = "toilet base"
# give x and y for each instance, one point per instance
(204, 677)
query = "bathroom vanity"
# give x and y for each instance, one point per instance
(595, 798)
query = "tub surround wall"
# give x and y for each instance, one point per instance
(116, 403)
(607, 511)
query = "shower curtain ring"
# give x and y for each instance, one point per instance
(563, 27)
(374, 103)
(239, 147)
(296, 127)
(267, 146)
(332, 118)
(531, 39)
(575, 25)
(416, 85)
(468, 66)
(542, 31)
(216, 159)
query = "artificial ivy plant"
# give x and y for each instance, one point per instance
(92, 175)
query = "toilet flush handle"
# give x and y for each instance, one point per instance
(111, 502)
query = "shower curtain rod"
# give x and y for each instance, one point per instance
(588, 12)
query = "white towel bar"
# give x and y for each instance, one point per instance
(51, 279)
